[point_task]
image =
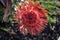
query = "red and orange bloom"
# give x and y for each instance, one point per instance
(32, 18)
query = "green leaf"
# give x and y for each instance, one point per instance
(4, 29)
(49, 5)
(51, 20)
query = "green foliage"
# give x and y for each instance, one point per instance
(15, 2)
(51, 7)
(4, 29)
(1, 12)
(58, 8)
(1, 6)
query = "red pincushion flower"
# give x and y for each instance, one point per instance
(32, 18)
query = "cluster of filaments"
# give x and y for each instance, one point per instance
(31, 17)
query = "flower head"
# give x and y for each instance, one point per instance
(31, 18)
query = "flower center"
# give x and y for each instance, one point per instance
(30, 17)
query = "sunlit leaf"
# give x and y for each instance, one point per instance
(4, 29)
